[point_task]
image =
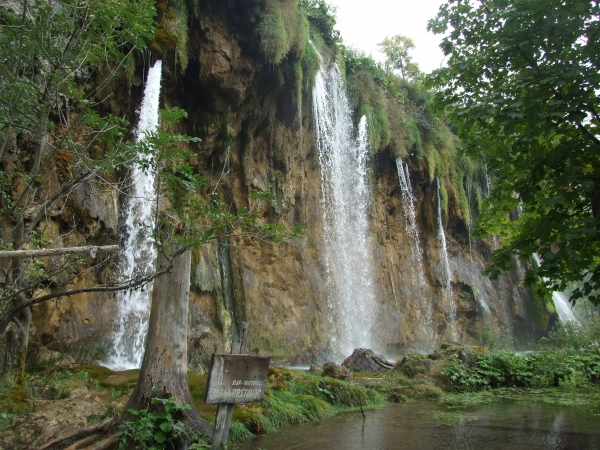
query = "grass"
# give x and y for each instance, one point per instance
(15, 402)
(291, 397)
(282, 29)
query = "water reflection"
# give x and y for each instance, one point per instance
(428, 426)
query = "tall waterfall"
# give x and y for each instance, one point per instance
(446, 262)
(139, 253)
(410, 218)
(345, 201)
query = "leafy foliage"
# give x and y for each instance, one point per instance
(521, 85)
(397, 50)
(568, 359)
(155, 428)
(322, 17)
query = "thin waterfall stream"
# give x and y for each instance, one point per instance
(410, 218)
(139, 254)
(560, 300)
(345, 201)
(446, 262)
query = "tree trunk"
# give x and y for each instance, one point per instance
(164, 367)
(17, 341)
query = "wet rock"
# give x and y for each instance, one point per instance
(58, 361)
(315, 368)
(333, 370)
(365, 360)
(51, 419)
(412, 367)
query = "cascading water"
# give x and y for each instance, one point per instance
(345, 200)
(139, 253)
(446, 262)
(410, 218)
(561, 302)
(470, 224)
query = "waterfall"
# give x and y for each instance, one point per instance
(345, 200)
(561, 302)
(139, 252)
(446, 262)
(470, 224)
(410, 219)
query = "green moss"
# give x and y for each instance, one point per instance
(310, 65)
(295, 397)
(367, 99)
(171, 32)
(282, 29)
(417, 391)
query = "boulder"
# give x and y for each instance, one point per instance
(333, 370)
(365, 360)
(315, 368)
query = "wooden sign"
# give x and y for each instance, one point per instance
(236, 379)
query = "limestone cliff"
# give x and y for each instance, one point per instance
(258, 133)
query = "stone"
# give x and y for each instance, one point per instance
(411, 367)
(365, 360)
(51, 419)
(58, 361)
(333, 370)
(315, 368)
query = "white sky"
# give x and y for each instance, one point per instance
(364, 23)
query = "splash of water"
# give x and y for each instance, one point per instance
(446, 262)
(561, 302)
(345, 201)
(139, 253)
(410, 219)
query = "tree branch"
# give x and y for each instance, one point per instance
(91, 249)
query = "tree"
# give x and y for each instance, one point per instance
(521, 85)
(397, 50)
(52, 138)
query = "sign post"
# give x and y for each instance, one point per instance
(234, 378)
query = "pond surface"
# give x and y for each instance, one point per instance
(428, 426)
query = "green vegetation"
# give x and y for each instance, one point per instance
(521, 87)
(15, 401)
(322, 18)
(401, 120)
(172, 30)
(157, 426)
(290, 397)
(282, 29)
(568, 359)
(295, 397)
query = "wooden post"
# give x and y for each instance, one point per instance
(225, 410)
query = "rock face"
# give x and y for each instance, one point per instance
(259, 134)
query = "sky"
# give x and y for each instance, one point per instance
(364, 23)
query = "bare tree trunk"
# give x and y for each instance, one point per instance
(38, 253)
(164, 367)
